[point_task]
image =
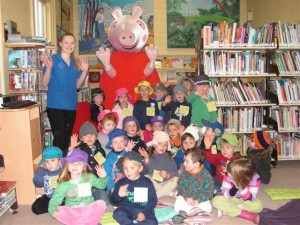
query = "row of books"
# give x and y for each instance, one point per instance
(288, 34)
(23, 81)
(241, 119)
(231, 35)
(234, 63)
(287, 118)
(237, 93)
(179, 63)
(288, 146)
(287, 90)
(25, 58)
(7, 195)
(288, 62)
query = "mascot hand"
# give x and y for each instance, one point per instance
(104, 56)
(152, 52)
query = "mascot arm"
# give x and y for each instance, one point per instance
(104, 56)
(152, 52)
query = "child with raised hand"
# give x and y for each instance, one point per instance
(74, 186)
(96, 107)
(107, 122)
(195, 185)
(117, 143)
(160, 91)
(228, 145)
(144, 108)
(157, 124)
(189, 139)
(211, 131)
(239, 191)
(134, 194)
(89, 143)
(132, 128)
(162, 167)
(122, 105)
(178, 107)
(259, 151)
(46, 176)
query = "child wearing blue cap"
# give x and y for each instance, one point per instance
(46, 176)
(75, 187)
(117, 141)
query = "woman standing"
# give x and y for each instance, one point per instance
(63, 76)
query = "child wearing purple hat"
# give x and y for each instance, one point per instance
(74, 185)
(132, 128)
(122, 105)
(157, 124)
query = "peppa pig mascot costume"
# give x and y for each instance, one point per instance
(129, 64)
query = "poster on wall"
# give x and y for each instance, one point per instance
(186, 17)
(94, 18)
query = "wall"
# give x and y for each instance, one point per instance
(267, 11)
(20, 12)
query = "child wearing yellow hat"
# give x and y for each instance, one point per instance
(145, 108)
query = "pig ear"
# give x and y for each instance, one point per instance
(116, 12)
(137, 11)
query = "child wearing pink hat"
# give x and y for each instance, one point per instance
(122, 105)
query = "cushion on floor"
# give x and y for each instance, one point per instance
(283, 193)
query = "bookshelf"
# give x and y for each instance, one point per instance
(173, 68)
(285, 90)
(237, 61)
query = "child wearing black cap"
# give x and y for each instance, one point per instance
(134, 194)
(98, 97)
(259, 151)
(204, 106)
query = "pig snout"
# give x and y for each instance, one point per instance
(127, 38)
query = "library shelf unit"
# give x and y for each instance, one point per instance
(239, 70)
(286, 91)
(20, 145)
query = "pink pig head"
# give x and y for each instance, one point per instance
(128, 33)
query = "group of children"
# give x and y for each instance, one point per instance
(141, 153)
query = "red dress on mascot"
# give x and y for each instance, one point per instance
(128, 65)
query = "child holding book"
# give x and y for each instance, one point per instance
(96, 107)
(63, 77)
(89, 143)
(162, 167)
(134, 194)
(259, 151)
(107, 122)
(228, 145)
(195, 185)
(46, 176)
(144, 108)
(74, 186)
(178, 107)
(239, 191)
(122, 105)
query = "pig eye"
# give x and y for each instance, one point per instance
(114, 24)
(142, 25)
